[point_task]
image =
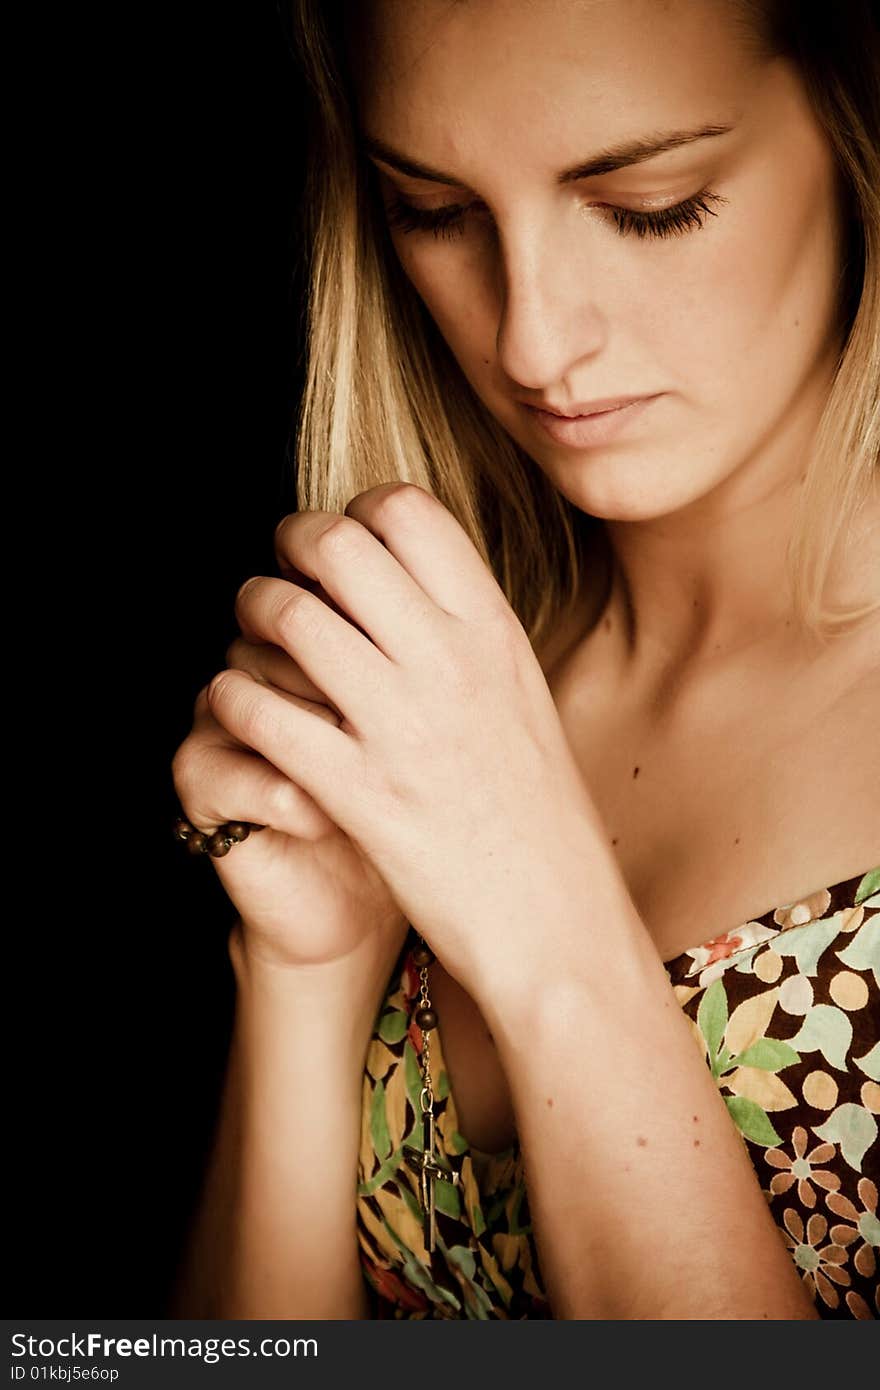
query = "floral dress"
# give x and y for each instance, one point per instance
(785, 1010)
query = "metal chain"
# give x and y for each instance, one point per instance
(427, 1095)
(426, 1164)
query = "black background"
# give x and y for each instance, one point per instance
(158, 486)
(163, 323)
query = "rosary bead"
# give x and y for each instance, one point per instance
(422, 955)
(426, 1019)
(238, 830)
(218, 844)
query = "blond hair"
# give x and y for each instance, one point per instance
(384, 398)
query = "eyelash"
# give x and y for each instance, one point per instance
(686, 216)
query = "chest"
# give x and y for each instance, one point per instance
(742, 791)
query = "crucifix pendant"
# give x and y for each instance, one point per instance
(429, 1171)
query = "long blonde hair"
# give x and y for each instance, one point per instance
(384, 398)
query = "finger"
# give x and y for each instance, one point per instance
(305, 581)
(206, 722)
(218, 781)
(338, 658)
(325, 761)
(360, 576)
(268, 662)
(428, 541)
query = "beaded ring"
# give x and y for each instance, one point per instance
(219, 842)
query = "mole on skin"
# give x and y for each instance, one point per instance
(635, 772)
(642, 1143)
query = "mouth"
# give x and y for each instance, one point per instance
(595, 427)
(583, 410)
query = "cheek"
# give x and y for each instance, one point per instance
(451, 281)
(755, 311)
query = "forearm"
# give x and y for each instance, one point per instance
(644, 1201)
(275, 1236)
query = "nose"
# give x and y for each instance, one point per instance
(549, 319)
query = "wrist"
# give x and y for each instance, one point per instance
(564, 899)
(573, 961)
(335, 999)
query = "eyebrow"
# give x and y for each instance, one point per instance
(604, 162)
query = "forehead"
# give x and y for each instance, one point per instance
(444, 71)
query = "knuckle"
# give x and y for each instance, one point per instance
(237, 704)
(399, 503)
(257, 721)
(338, 539)
(414, 730)
(278, 798)
(389, 792)
(299, 611)
(504, 638)
(183, 768)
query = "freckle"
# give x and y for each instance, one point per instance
(642, 1143)
(736, 841)
(696, 603)
(635, 772)
(696, 1119)
(550, 1102)
(696, 1143)
(614, 841)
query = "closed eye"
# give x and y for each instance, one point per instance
(689, 215)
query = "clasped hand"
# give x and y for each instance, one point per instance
(449, 767)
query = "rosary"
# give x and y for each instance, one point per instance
(424, 1163)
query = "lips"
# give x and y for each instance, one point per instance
(598, 427)
(579, 410)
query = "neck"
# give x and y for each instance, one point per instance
(693, 588)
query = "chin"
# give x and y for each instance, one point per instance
(642, 485)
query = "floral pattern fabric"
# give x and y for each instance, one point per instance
(785, 1010)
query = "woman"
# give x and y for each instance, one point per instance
(562, 731)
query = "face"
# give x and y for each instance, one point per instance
(704, 276)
